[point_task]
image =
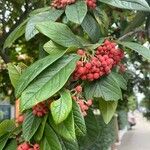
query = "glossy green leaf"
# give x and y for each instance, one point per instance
(14, 73)
(100, 135)
(69, 144)
(119, 79)
(6, 126)
(50, 140)
(14, 35)
(52, 48)
(76, 12)
(30, 125)
(102, 19)
(34, 70)
(65, 129)
(50, 81)
(93, 131)
(145, 52)
(59, 33)
(80, 127)
(39, 10)
(107, 109)
(39, 133)
(136, 22)
(91, 27)
(106, 87)
(128, 4)
(50, 15)
(3, 140)
(61, 108)
(12, 145)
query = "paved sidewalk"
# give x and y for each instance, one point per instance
(138, 138)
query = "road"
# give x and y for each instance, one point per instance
(139, 137)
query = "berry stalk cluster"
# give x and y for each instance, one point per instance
(92, 67)
(40, 109)
(84, 105)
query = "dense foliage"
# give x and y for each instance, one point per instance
(79, 76)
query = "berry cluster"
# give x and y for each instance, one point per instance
(40, 109)
(61, 3)
(20, 119)
(58, 4)
(27, 146)
(91, 4)
(92, 67)
(84, 105)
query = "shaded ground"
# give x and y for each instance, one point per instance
(138, 138)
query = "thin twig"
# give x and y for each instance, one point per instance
(132, 33)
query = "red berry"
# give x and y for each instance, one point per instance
(88, 65)
(81, 70)
(90, 77)
(36, 147)
(80, 52)
(20, 119)
(40, 109)
(89, 102)
(122, 68)
(78, 88)
(83, 77)
(96, 75)
(79, 63)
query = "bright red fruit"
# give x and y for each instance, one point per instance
(105, 58)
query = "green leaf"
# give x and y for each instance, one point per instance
(34, 70)
(14, 35)
(39, 10)
(106, 87)
(93, 131)
(102, 19)
(30, 125)
(50, 140)
(145, 52)
(59, 33)
(39, 133)
(107, 109)
(14, 73)
(61, 108)
(101, 136)
(80, 127)
(119, 79)
(50, 15)
(76, 12)
(50, 81)
(128, 4)
(91, 27)
(6, 126)
(65, 129)
(12, 145)
(68, 144)
(53, 48)
(3, 140)
(137, 21)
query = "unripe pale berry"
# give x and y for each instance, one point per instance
(78, 88)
